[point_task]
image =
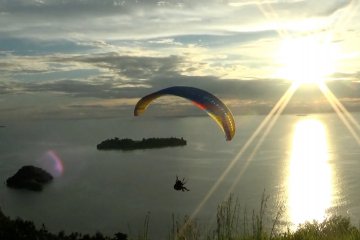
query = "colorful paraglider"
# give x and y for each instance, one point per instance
(203, 99)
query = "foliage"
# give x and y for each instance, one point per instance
(20, 229)
(232, 223)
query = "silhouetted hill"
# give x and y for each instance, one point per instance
(145, 143)
(29, 177)
(19, 229)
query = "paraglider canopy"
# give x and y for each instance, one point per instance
(202, 99)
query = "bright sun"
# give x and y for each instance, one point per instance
(309, 59)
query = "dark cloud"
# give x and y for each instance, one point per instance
(160, 72)
(243, 97)
(74, 88)
(51, 7)
(135, 19)
(345, 89)
(78, 19)
(4, 65)
(9, 87)
(257, 90)
(134, 68)
(134, 77)
(79, 6)
(89, 8)
(347, 76)
(32, 46)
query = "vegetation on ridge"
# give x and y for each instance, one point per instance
(232, 223)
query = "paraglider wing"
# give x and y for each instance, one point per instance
(202, 99)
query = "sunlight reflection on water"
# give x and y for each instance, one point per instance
(309, 183)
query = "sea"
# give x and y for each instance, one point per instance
(306, 166)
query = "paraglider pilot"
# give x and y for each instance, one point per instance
(179, 185)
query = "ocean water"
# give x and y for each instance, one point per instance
(308, 164)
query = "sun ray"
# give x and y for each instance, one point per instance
(347, 16)
(274, 115)
(326, 90)
(342, 112)
(268, 11)
(319, 46)
(269, 120)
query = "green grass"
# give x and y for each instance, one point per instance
(232, 223)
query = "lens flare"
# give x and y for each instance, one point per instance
(52, 163)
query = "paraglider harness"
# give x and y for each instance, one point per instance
(179, 185)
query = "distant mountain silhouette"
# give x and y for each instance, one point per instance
(145, 143)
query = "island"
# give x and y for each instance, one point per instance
(29, 177)
(145, 143)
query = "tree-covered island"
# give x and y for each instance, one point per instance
(145, 143)
(29, 177)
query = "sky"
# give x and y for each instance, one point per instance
(70, 59)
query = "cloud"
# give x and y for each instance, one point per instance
(345, 89)
(84, 54)
(33, 47)
(131, 77)
(120, 76)
(8, 87)
(82, 99)
(133, 67)
(115, 19)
